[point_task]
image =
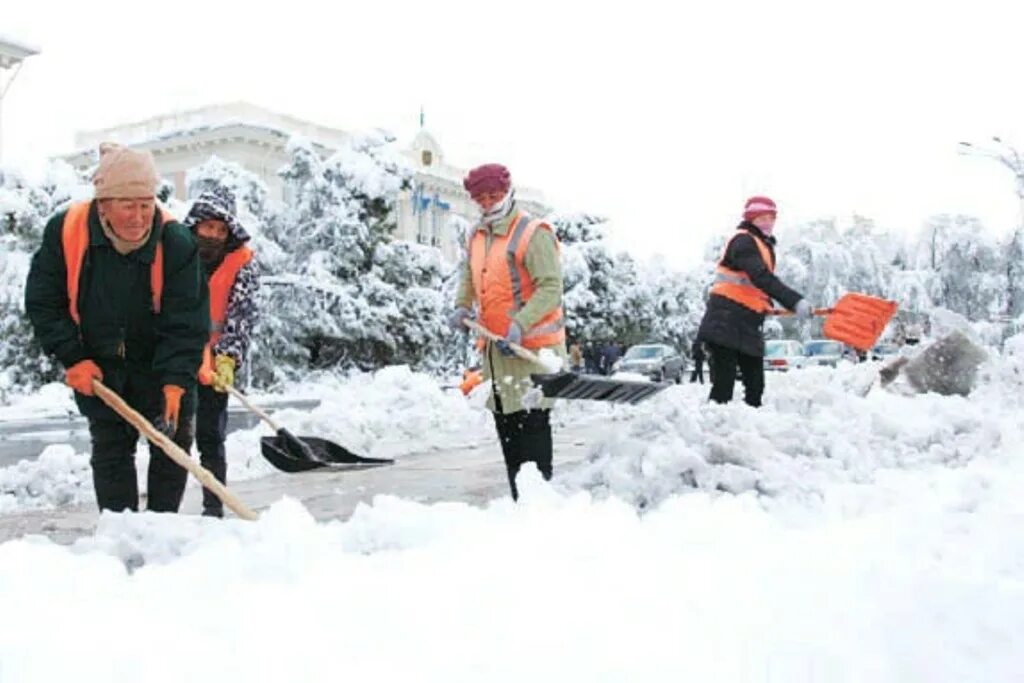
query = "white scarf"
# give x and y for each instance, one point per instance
(499, 210)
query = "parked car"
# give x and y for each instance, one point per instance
(660, 362)
(823, 352)
(783, 355)
(884, 351)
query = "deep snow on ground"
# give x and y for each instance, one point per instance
(391, 413)
(840, 533)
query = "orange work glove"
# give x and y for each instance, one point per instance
(172, 405)
(80, 376)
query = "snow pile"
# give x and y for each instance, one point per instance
(59, 477)
(816, 429)
(871, 537)
(391, 413)
(555, 588)
(54, 399)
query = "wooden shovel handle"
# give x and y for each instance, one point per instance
(523, 353)
(173, 451)
(259, 413)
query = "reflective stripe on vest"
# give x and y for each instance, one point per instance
(736, 284)
(503, 285)
(75, 242)
(517, 231)
(221, 282)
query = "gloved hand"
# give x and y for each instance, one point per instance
(224, 372)
(80, 376)
(514, 336)
(457, 317)
(172, 408)
(803, 310)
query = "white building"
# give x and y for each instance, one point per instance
(256, 139)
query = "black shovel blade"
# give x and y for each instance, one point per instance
(333, 454)
(282, 460)
(569, 385)
(290, 453)
(295, 447)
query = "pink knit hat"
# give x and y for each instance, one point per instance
(487, 178)
(758, 206)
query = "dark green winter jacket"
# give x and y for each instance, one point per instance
(119, 330)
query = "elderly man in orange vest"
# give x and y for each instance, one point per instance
(742, 292)
(514, 278)
(233, 277)
(115, 293)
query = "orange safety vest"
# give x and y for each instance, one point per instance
(75, 240)
(503, 286)
(736, 284)
(221, 282)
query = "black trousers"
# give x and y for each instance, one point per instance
(698, 371)
(723, 364)
(525, 437)
(113, 456)
(211, 432)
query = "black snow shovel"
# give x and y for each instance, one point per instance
(290, 453)
(569, 385)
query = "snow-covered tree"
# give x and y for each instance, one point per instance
(1014, 254)
(25, 207)
(610, 296)
(346, 294)
(967, 274)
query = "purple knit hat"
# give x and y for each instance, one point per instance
(487, 178)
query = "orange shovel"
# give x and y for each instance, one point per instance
(856, 319)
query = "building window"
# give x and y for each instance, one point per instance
(421, 231)
(427, 156)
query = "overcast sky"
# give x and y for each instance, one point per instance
(662, 119)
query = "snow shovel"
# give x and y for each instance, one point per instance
(291, 454)
(173, 450)
(856, 320)
(561, 384)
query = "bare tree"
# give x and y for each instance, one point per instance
(1004, 153)
(1008, 155)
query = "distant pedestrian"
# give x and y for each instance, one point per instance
(575, 357)
(609, 357)
(591, 358)
(698, 361)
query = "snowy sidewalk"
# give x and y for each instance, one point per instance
(473, 474)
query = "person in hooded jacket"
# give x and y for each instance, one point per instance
(741, 295)
(231, 270)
